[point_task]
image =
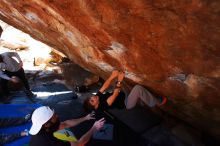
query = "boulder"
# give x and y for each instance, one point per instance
(171, 47)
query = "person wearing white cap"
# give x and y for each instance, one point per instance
(45, 122)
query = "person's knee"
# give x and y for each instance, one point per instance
(138, 87)
(128, 107)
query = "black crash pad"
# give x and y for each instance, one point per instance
(160, 136)
(139, 119)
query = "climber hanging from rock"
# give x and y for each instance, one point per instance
(102, 101)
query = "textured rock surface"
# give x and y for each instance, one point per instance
(171, 46)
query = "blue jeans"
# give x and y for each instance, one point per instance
(5, 122)
(6, 138)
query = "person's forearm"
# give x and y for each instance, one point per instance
(106, 84)
(72, 123)
(112, 98)
(85, 138)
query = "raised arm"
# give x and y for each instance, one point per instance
(112, 98)
(86, 137)
(117, 89)
(109, 80)
(74, 122)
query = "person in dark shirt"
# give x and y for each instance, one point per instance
(103, 98)
(11, 69)
(103, 101)
(46, 122)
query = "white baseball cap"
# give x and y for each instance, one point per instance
(39, 117)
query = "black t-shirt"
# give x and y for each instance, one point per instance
(45, 139)
(118, 103)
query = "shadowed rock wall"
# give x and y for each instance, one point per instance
(170, 46)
